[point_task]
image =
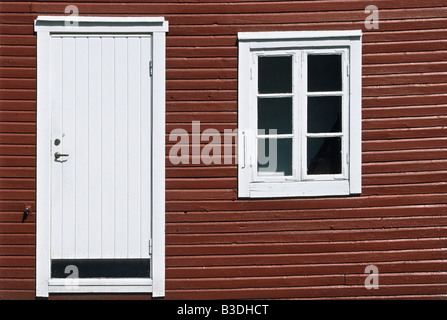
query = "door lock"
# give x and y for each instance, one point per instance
(57, 155)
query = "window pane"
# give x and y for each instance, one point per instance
(324, 114)
(274, 157)
(324, 72)
(324, 155)
(275, 113)
(275, 74)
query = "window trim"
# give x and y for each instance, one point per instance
(288, 42)
(45, 26)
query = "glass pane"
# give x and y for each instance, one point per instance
(323, 114)
(324, 72)
(324, 155)
(274, 157)
(275, 74)
(100, 268)
(275, 113)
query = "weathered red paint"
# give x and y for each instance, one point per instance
(222, 247)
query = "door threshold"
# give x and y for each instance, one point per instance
(100, 285)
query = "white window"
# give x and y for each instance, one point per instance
(299, 113)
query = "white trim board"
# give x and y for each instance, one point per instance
(46, 27)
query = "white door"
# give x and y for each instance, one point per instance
(101, 155)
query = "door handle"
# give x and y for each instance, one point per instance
(57, 155)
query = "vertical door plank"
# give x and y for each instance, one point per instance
(121, 147)
(145, 123)
(56, 183)
(108, 147)
(94, 148)
(81, 147)
(69, 134)
(134, 142)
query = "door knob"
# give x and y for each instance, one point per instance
(57, 155)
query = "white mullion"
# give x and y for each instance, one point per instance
(277, 136)
(345, 114)
(325, 93)
(325, 135)
(275, 95)
(252, 138)
(296, 116)
(303, 113)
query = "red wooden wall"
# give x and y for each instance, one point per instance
(222, 247)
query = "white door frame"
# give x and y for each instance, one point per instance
(45, 26)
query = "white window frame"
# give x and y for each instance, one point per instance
(45, 26)
(299, 44)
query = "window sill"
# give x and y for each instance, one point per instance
(298, 189)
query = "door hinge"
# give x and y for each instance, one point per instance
(150, 246)
(150, 68)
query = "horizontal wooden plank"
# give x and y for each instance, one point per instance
(180, 63)
(227, 73)
(404, 122)
(312, 203)
(416, 291)
(304, 225)
(17, 228)
(17, 105)
(304, 281)
(17, 161)
(415, 78)
(215, 117)
(26, 150)
(404, 166)
(204, 194)
(211, 84)
(404, 155)
(28, 139)
(368, 257)
(17, 261)
(400, 133)
(10, 127)
(303, 269)
(17, 216)
(11, 61)
(8, 83)
(14, 183)
(17, 250)
(302, 247)
(17, 272)
(6, 194)
(258, 282)
(402, 68)
(401, 90)
(13, 172)
(385, 25)
(307, 236)
(404, 144)
(404, 177)
(29, 94)
(14, 39)
(404, 111)
(297, 214)
(17, 72)
(17, 294)
(17, 284)
(17, 239)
